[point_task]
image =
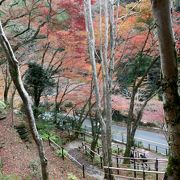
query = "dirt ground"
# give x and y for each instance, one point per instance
(21, 159)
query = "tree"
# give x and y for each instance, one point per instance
(38, 80)
(16, 77)
(171, 98)
(135, 75)
(104, 111)
(7, 81)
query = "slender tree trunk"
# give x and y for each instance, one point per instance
(16, 77)
(7, 82)
(129, 138)
(106, 121)
(171, 99)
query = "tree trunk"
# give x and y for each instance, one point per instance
(129, 139)
(171, 99)
(16, 77)
(7, 82)
(107, 108)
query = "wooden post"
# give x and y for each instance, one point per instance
(135, 154)
(62, 153)
(166, 152)
(134, 161)
(85, 149)
(156, 149)
(149, 147)
(117, 163)
(156, 168)
(98, 150)
(118, 151)
(101, 162)
(109, 171)
(49, 142)
(144, 175)
(83, 171)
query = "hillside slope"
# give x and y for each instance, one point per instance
(21, 159)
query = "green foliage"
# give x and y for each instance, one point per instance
(19, 3)
(71, 176)
(117, 116)
(35, 170)
(68, 104)
(115, 150)
(97, 160)
(38, 80)
(133, 68)
(2, 106)
(46, 130)
(172, 164)
(59, 152)
(138, 144)
(62, 16)
(148, 21)
(9, 177)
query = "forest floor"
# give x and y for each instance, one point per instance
(21, 159)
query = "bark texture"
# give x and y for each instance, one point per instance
(107, 69)
(16, 77)
(171, 99)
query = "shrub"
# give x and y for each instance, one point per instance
(35, 170)
(59, 152)
(9, 177)
(71, 176)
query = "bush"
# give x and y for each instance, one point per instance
(35, 170)
(71, 176)
(9, 177)
(68, 104)
(45, 129)
(2, 105)
(59, 152)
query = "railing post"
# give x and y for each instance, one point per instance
(156, 149)
(166, 152)
(62, 153)
(49, 141)
(109, 172)
(144, 175)
(156, 168)
(83, 171)
(118, 151)
(85, 149)
(101, 162)
(117, 163)
(134, 167)
(98, 150)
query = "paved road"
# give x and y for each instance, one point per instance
(156, 140)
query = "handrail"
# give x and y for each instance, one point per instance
(134, 170)
(67, 154)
